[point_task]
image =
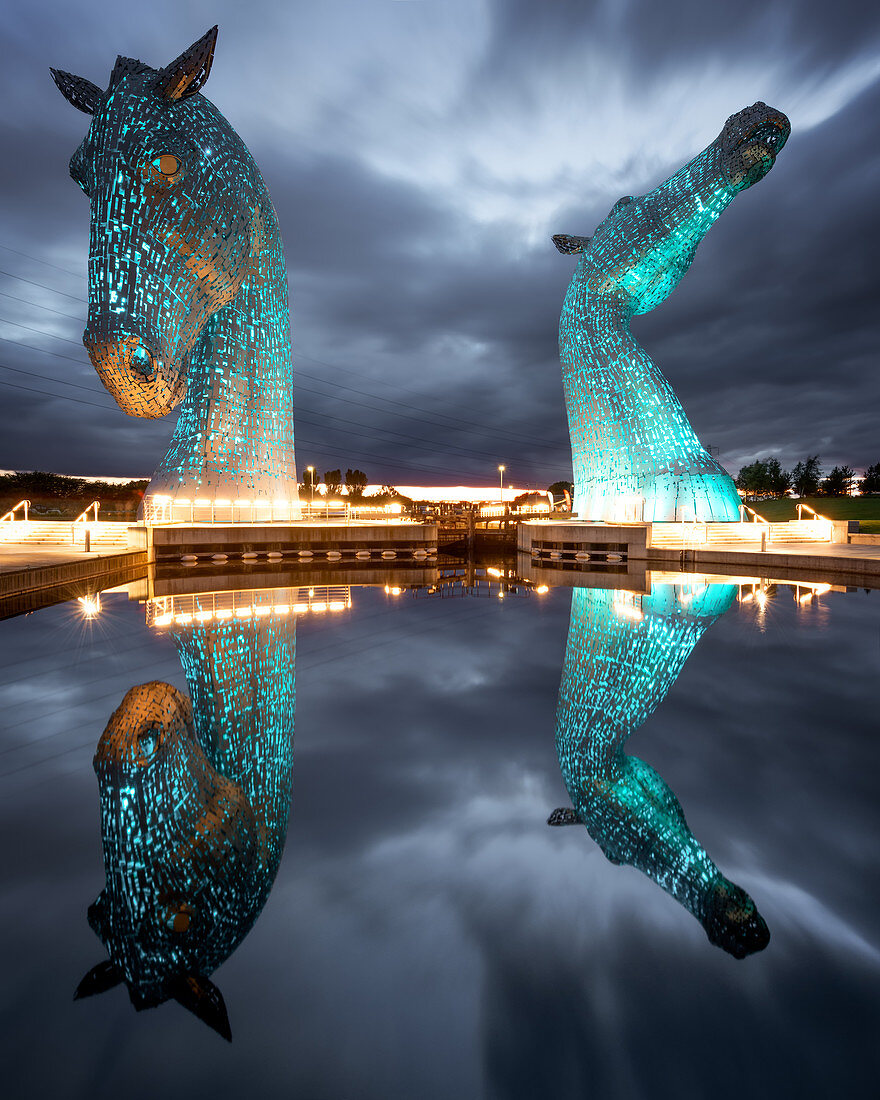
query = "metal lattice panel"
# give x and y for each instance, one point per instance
(623, 655)
(635, 456)
(195, 803)
(187, 282)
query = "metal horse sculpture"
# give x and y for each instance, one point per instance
(187, 281)
(195, 803)
(634, 453)
(621, 659)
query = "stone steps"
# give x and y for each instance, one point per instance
(678, 534)
(104, 535)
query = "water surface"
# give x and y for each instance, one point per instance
(426, 933)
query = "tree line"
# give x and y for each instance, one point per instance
(355, 481)
(766, 478)
(58, 494)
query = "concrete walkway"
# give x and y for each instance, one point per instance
(797, 549)
(18, 556)
(854, 564)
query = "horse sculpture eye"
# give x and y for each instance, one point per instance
(167, 164)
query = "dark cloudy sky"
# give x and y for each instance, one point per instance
(420, 153)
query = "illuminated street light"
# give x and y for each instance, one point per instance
(311, 470)
(501, 485)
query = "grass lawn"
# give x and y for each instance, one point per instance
(864, 509)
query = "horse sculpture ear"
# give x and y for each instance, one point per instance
(567, 243)
(203, 999)
(79, 92)
(106, 975)
(564, 815)
(187, 74)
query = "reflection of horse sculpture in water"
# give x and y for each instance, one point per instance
(195, 802)
(620, 662)
(187, 281)
(635, 455)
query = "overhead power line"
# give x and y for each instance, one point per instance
(36, 259)
(431, 415)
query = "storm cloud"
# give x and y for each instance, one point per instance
(419, 156)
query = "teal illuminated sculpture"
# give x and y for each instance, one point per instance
(187, 281)
(195, 803)
(635, 456)
(624, 653)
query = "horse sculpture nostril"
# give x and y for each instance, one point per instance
(142, 363)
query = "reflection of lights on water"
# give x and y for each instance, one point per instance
(90, 605)
(813, 590)
(628, 606)
(253, 611)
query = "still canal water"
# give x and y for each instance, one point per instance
(425, 932)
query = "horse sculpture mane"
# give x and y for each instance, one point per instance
(187, 282)
(635, 456)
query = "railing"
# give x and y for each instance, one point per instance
(10, 515)
(813, 510)
(161, 509)
(83, 518)
(743, 508)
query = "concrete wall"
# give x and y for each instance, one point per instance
(631, 539)
(173, 542)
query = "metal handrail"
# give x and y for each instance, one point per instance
(83, 517)
(10, 515)
(813, 510)
(746, 508)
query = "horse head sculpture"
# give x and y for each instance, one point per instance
(195, 803)
(621, 659)
(187, 281)
(634, 452)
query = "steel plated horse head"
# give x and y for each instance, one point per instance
(195, 802)
(635, 455)
(623, 655)
(187, 282)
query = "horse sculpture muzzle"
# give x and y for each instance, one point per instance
(750, 142)
(135, 372)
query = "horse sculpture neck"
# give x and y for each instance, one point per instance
(618, 669)
(635, 456)
(241, 680)
(234, 434)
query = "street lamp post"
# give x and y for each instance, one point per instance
(311, 472)
(501, 486)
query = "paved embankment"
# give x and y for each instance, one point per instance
(34, 577)
(854, 564)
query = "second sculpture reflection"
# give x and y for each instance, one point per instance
(623, 655)
(195, 803)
